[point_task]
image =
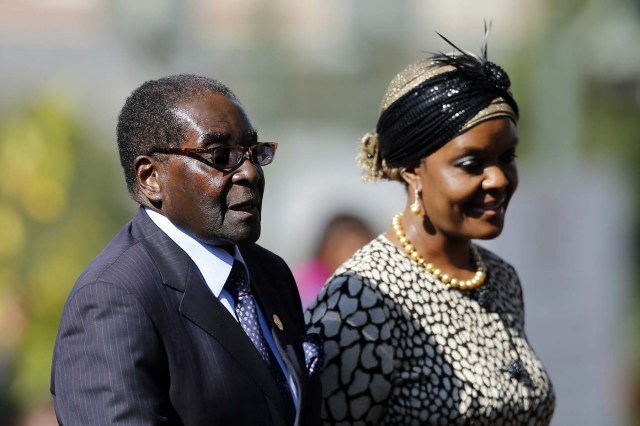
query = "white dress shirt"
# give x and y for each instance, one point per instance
(215, 265)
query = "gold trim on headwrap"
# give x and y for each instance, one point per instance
(497, 108)
(411, 77)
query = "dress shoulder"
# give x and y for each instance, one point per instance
(503, 283)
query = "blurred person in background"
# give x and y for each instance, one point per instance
(183, 319)
(341, 236)
(423, 326)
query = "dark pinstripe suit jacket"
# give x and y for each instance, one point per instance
(143, 341)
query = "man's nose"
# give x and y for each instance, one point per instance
(247, 170)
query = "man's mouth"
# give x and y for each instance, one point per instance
(250, 206)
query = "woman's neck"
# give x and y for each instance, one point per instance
(450, 255)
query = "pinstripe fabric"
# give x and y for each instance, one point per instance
(142, 341)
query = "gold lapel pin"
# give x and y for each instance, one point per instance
(277, 322)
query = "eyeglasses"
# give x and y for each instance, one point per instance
(229, 157)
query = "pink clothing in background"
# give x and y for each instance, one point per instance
(310, 277)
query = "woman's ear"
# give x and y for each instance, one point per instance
(411, 177)
(148, 172)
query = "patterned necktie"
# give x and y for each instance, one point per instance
(238, 286)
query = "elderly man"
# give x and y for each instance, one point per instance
(182, 319)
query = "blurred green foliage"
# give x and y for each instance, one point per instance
(59, 205)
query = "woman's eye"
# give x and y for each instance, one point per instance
(470, 165)
(509, 157)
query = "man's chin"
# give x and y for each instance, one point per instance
(240, 235)
(245, 234)
(250, 237)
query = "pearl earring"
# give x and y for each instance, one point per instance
(416, 206)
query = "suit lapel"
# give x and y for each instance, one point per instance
(265, 287)
(202, 308)
(278, 318)
(205, 310)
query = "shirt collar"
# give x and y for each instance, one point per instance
(213, 262)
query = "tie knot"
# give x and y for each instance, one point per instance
(237, 284)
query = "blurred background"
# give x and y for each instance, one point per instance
(310, 75)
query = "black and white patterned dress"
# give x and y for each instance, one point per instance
(404, 349)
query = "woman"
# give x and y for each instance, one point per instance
(421, 326)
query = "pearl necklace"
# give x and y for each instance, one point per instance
(476, 281)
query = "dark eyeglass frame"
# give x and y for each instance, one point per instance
(247, 153)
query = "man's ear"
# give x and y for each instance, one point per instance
(148, 172)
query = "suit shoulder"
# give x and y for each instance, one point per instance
(123, 262)
(258, 250)
(262, 254)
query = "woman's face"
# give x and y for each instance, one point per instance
(466, 185)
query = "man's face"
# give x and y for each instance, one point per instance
(215, 206)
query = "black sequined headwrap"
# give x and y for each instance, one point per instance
(435, 111)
